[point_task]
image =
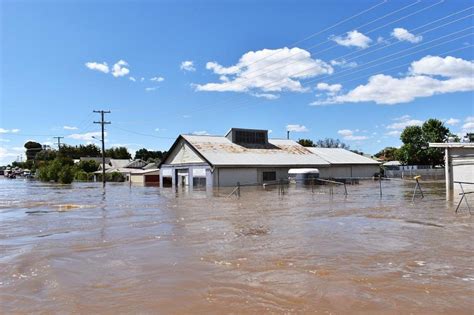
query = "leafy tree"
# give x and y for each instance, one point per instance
(387, 154)
(87, 166)
(331, 143)
(76, 152)
(66, 175)
(46, 155)
(118, 153)
(306, 142)
(415, 148)
(148, 155)
(32, 148)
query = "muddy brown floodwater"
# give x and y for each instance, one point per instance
(74, 249)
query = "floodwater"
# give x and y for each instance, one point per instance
(146, 250)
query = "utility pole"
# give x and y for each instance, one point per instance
(102, 123)
(288, 134)
(59, 142)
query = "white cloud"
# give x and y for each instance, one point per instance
(452, 121)
(157, 79)
(267, 70)
(119, 69)
(343, 63)
(88, 136)
(142, 79)
(349, 135)
(468, 125)
(449, 67)
(2, 130)
(149, 89)
(132, 79)
(4, 140)
(201, 133)
(332, 88)
(385, 89)
(268, 96)
(396, 128)
(102, 67)
(296, 128)
(403, 35)
(352, 38)
(187, 65)
(70, 128)
(8, 155)
(218, 69)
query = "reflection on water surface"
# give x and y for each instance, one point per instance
(142, 249)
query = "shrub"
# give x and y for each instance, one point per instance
(66, 175)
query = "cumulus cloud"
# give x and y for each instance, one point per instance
(132, 79)
(296, 128)
(449, 67)
(468, 125)
(88, 136)
(157, 79)
(352, 38)
(332, 88)
(120, 69)
(70, 128)
(421, 82)
(267, 70)
(348, 134)
(149, 89)
(403, 35)
(452, 121)
(2, 130)
(102, 67)
(187, 65)
(403, 122)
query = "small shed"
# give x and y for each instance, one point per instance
(346, 164)
(459, 164)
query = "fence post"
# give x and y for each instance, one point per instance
(380, 185)
(312, 185)
(238, 189)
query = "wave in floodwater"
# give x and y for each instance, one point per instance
(78, 248)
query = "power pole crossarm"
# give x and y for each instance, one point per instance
(59, 142)
(102, 122)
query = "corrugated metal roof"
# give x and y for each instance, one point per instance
(220, 151)
(342, 156)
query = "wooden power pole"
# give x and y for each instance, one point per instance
(103, 123)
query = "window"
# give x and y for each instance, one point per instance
(269, 176)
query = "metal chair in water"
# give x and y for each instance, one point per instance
(463, 196)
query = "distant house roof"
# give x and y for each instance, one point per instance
(136, 164)
(342, 156)
(150, 166)
(220, 151)
(95, 159)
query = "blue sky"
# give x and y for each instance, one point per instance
(355, 70)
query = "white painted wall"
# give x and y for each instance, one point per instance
(183, 154)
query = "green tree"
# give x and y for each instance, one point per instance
(331, 143)
(118, 153)
(415, 149)
(32, 148)
(306, 142)
(387, 154)
(147, 155)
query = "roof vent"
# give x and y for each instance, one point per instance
(248, 136)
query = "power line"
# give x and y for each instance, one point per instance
(324, 30)
(142, 134)
(271, 83)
